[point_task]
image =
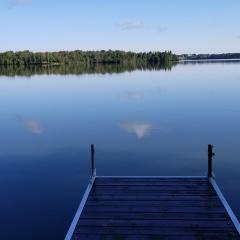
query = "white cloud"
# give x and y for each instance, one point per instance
(15, 3)
(130, 25)
(32, 125)
(131, 95)
(139, 129)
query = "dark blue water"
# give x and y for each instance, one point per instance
(141, 122)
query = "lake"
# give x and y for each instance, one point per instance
(143, 122)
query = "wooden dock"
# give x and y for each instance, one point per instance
(154, 208)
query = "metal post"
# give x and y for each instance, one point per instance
(210, 156)
(93, 160)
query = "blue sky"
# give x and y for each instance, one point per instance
(183, 26)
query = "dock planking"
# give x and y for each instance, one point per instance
(153, 208)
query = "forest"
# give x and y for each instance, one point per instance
(27, 58)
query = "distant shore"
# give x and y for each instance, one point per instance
(27, 58)
(210, 60)
(207, 57)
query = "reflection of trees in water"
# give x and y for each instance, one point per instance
(78, 69)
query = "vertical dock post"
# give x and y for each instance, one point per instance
(93, 160)
(210, 156)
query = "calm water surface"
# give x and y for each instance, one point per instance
(141, 122)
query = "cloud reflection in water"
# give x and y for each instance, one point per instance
(32, 125)
(139, 129)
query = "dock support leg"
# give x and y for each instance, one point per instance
(210, 156)
(93, 160)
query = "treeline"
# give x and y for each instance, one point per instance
(209, 56)
(27, 58)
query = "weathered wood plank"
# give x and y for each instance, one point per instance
(151, 182)
(117, 203)
(153, 231)
(151, 198)
(154, 209)
(146, 185)
(154, 237)
(151, 179)
(154, 215)
(152, 193)
(160, 223)
(155, 187)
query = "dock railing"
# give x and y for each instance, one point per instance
(211, 154)
(93, 166)
(210, 173)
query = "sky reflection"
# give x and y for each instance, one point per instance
(132, 95)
